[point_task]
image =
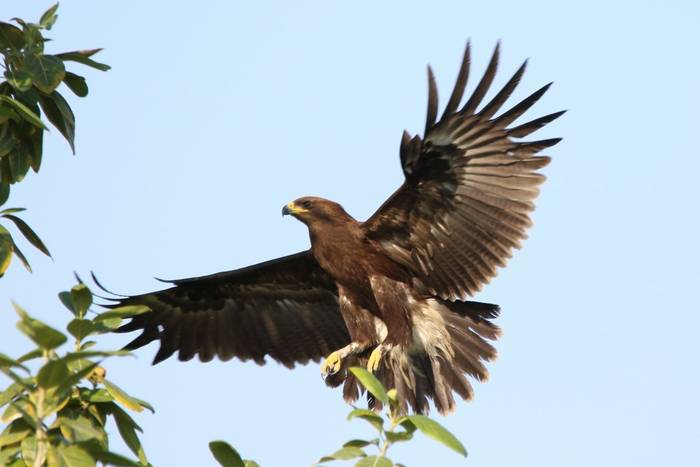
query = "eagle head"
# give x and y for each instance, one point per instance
(312, 209)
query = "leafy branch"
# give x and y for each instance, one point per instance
(53, 418)
(400, 429)
(28, 93)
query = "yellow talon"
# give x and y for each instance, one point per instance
(331, 364)
(374, 359)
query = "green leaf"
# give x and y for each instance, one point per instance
(97, 414)
(107, 325)
(7, 145)
(113, 408)
(122, 312)
(31, 355)
(127, 430)
(371, 383)
(433, 429)
(43, 335)
(60, 114)
(11, 36)
(79, 429)
(49, 17)
(75, 378)
(113, 459)
(24, 111)
(20, 255)
(76, 83)
(6, 249)
(395, 437)
(225, 455)
(67, 301)
(250, 463)
(97, 395)
(21, 408)
(80, 328)
(9, 457)
(374, 461)
(69, 456)
(4, 190)
(35, 147)
(19, 79)
(10, 393)
(81, 56)
(28, 233)
(8, 362)
(29, 451)
(81, 297)
(19, 163)
(122, 397)
(47, 71)
(361, 443)
(88, 344)
(15, 432)
(52, 374)
(12, 210)
(344, 454)
(375, 420)
(145, 404)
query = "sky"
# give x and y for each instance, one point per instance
(215, 114)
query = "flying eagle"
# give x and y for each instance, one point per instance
(389, 293)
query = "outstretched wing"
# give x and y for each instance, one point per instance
(468, 189)
(286, 308)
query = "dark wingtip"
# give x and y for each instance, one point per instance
(432, 101)
(460, 83)
(164, 281)
(161, 355)
(485, 82)
(104, 289)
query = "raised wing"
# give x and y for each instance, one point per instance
(286, 308)
(468, 189)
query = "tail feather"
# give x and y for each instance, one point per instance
(450, 341)
(442, 391)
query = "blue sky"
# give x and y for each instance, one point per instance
(215, 114)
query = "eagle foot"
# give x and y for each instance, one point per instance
(334, 362)
(375, 358)
(331, 365)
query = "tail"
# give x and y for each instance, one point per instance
(450, 341)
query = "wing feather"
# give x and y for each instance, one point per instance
(469, 188)
(286, 309)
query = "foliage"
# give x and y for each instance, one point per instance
(57, 415)
(28, 93)
(400, 429)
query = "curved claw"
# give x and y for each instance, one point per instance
(331, 364)
(375, 359)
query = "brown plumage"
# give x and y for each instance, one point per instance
(388, 293)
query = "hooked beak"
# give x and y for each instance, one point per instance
(293, 209)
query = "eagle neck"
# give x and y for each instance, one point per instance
(333, 240)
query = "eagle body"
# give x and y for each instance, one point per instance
(390, 293)
(357, 266)
(382, 310)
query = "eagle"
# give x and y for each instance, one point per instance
(390, 294)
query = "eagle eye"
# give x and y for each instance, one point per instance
(306, 204)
